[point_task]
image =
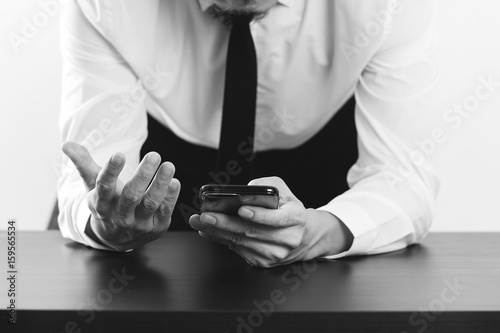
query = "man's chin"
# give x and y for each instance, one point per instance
(227, 17)
(254, 7)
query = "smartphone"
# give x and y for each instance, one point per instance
(227, 198)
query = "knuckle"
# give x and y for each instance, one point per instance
(143, 176)
(280, 255)
(103, 186)
(161, 184)
(295, 240)
(130, 196)
(236, 239)
(165, 210)
(101, 212)
(251, 231)
(149, 204)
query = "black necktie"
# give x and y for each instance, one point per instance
(238, 110)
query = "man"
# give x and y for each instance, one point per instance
(124, 60)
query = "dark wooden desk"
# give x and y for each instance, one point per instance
(183, 283)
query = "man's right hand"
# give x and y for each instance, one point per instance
(125, 216)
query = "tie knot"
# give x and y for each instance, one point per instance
(242, 20)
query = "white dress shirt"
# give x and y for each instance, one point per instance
(122, 58)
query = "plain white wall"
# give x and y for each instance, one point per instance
(29, 106)
(468, 161)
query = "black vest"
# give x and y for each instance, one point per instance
(315, 171)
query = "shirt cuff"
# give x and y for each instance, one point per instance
(359, 223)
(83, 218)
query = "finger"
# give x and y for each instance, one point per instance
(284, 190)
(221, 236)
(237, 225)
(251, 257)
(164, 212)
(108, 177)
(259, 200)
(289, 214)
(134, 190)
(157, 191)
(225, 238)
(84, 163)
(283, 236)
(195, 223)
(255, 259)
(255, 252)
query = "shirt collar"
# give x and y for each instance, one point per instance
(205, 4)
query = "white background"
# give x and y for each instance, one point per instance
(468, 161)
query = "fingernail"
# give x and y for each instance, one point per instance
(116, 159)
(152, 159)
(246, 213)
(173, 185)
(81, 150)
(208, 219)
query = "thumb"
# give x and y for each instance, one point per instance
(284, 190)
(86, 166)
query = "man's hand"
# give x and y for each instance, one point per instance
(270, 237)
(126, 216)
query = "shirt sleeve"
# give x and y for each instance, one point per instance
(102, 108)
(392, 184)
